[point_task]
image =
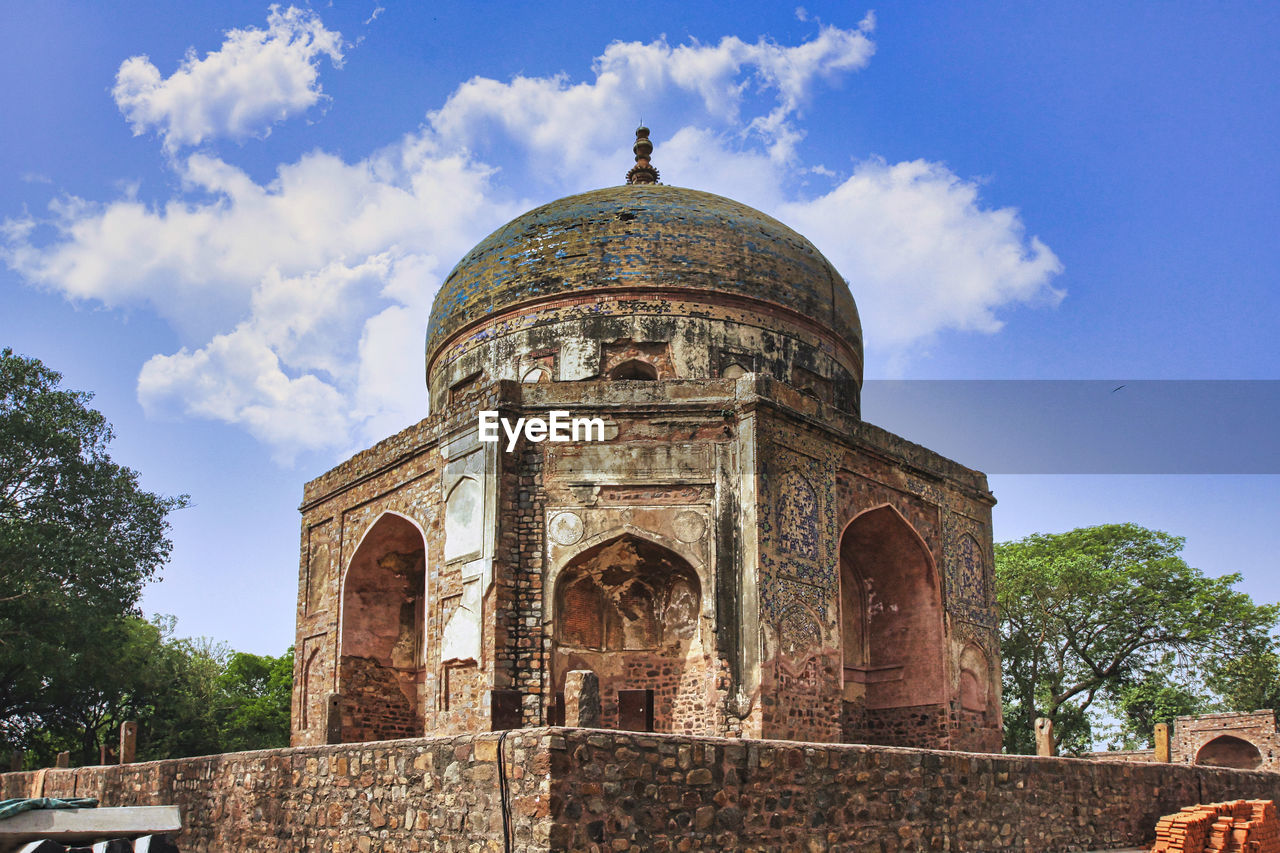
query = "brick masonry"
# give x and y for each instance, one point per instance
(584, 789)
(738, 554)
(743, 505)
(1242, 740)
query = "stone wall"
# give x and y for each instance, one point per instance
(583, 789)
(406, 795)
(654, 792)
(1148, 755)
(374, 705)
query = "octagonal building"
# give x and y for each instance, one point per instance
(720, 537)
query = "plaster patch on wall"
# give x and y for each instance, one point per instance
(461, 640)
(463, 519)
(566, 528)
(689, 526)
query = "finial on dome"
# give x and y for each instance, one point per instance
(642, 172)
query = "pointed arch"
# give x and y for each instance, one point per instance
(312, 703)
(891, 614)
(383, 611)
(628, 609)
(536, 375)
(634, 369)
(975, 679)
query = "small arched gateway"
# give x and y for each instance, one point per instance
(1229, 751)
(627, 609)
(383, 595)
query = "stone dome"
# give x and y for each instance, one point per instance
(659, 239)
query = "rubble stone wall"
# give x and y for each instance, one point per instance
(662, 793)
(406, 795)
(571, 789)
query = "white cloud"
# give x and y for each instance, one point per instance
(921, 254)
(238, 378)
(256, 79)
(197, 262)
(562, 125)
(288, 293)
(302, 301)
(287, 371)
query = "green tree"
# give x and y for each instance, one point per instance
(78, 539)
(189, 697)
(1159, 695)
(255, 692)
(135, 670)
(1249, 680)
(1087, 614)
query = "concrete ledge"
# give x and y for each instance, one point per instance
(73, 825)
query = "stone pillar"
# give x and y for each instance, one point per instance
(128, 742)
(1044, 736)
(1162, 742)
(582, 699)
(64, 760)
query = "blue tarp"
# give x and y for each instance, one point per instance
(9, 808)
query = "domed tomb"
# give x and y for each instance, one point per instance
(718, 554)
(645, 281)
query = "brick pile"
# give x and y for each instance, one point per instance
(1237, 826)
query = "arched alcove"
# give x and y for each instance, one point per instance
(628, 610)
(890, 627)
(313, 694)
(383, 607)
(975, 680)
(635, 369)
(1229, 751)
(463, 519)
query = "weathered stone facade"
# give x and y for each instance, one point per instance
(738, 555)
(590, 789)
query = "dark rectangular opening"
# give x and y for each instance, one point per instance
(635, 710)
(555, 711)
(505, 711)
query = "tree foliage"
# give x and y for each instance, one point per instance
(1096, 615)
(1160, 695)
(189, 697)
(1250, 679)
(79, 538)
(255, 692)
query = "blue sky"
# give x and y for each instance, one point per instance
(228, 221)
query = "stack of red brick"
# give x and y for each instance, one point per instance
(1239, 826)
